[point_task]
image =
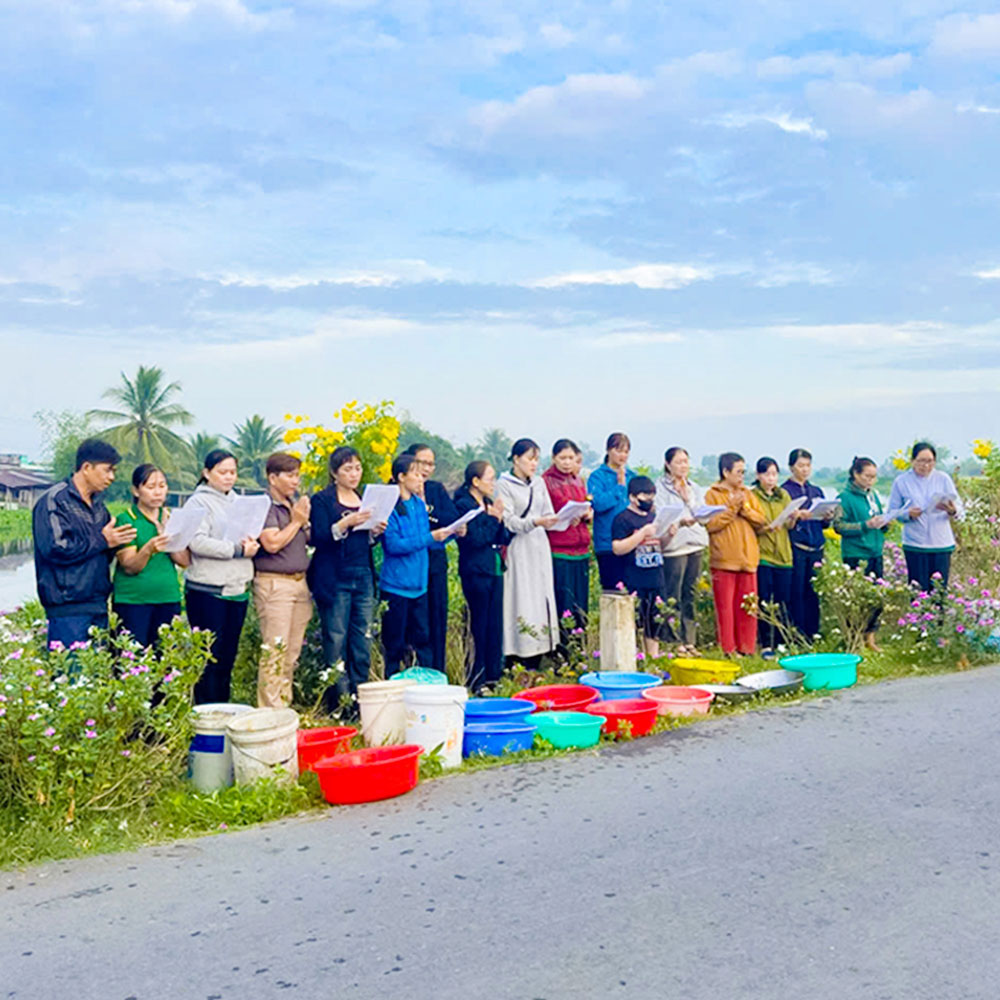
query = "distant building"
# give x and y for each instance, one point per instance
(21, 484)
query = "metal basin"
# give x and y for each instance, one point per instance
(775, 681)
(727, 692)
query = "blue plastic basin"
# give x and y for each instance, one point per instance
(614, 684)
(498, 709)
(824, 671)
(493, 739)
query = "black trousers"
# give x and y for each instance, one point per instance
(437, 615)
(774, 585)
(484, 599)
(405, 630)
(921, 567)
(143, 621)
(571, 578)
(872, 566)
(803, 602)
(609, 567)
(224, 619)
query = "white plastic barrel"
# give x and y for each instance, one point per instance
(210, 759)
(263, 741)
(383, 715)
(435, 717)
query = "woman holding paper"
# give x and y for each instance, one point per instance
(862, 527)
(530, 622)
(341, 574)
(481, 569)
(734, 555)
(928, 539)
(217, 587)
(147, 593)
(403, 582)
(774, 573)
(608, 486)
(570, 546)
(683, 545)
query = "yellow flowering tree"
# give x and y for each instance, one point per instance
(372, 430)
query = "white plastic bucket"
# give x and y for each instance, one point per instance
(383, 715)
(264, 740)
(435, 717)
(210, 759)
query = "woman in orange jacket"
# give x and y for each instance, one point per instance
(734, 555)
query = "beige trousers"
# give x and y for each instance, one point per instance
(284, 608)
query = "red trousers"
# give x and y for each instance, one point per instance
(736, 629)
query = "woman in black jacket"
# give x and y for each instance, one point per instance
(481, 567)
(342, 572)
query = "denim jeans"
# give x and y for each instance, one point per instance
(345, 627)
(74, 628)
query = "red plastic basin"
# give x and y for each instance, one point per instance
(638, 712)
(315, 744)
(560, 697)
(679, 700)
(369, 775)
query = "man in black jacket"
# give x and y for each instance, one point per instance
(441, 511)
(75, 538)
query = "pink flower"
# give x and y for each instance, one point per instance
(79, 645)
(56, 646)
(31, 757)
(960, 628)
(15, 655)
(33, 717)
(90, 734)
(567, 613)
(91, 722)
(49, 732)
(640, 655)
(126, 753)
(56, 748)
(39, 672)
(597, 654)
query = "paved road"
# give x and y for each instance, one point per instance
(846, 848)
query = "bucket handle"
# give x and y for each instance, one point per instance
(278, 763)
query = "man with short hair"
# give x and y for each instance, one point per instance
(75, 538)
(280, 592)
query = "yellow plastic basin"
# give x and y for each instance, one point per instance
(693, 670)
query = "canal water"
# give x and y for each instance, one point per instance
(17, 574)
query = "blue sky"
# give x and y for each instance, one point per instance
(742, 226)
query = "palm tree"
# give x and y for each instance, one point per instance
(142, 427)
(198, 445)
(494, 447)
(255, 440)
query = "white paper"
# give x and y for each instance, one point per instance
(787, 512)
(936, 498)
(708, 511)
(894, 513)
(821, 507)
(666, 516)
(569, 512)
(464, 519)
(379, 499)
(181, 527)
(245, 517)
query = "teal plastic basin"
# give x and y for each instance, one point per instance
(824, 671)
(568, 729)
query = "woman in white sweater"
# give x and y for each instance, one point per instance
(530, 620)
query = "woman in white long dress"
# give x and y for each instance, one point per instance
(530, 620)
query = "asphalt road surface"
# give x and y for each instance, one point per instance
(845, 848)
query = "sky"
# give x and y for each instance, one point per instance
(736, 226)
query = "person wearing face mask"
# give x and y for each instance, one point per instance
(570, 548)
(774, 573)
(147, 592)
(734, 555)
(634, 542)
(530, 622)
(217, 587)
(608, 486)
(481, 568)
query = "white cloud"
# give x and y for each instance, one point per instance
(400, 272)
(557, 35)
(780, 119)
(978, 109)
(831, 64)
(634, 335)
(650, 276)
(780, 275)
(874, 335)
(990, 274)
(967, 36)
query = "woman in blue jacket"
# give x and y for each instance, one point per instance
(403, 582)
(608, 488)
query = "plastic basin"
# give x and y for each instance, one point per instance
(728, 692)
(685, 671)
(824, 671)
(314, 744)
(369, 775)
(631, 716)
(559, 697)
(773, 681)
(568, 729)
(493, 739)
(421, 675)
(614, 684)
(497, 710)
(673, 700)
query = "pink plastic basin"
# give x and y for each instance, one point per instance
(679, 700)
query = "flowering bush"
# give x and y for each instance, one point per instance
(98, 728)
(373, 431)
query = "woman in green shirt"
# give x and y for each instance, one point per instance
(774, 574)
(146, 590)
(862, 529)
